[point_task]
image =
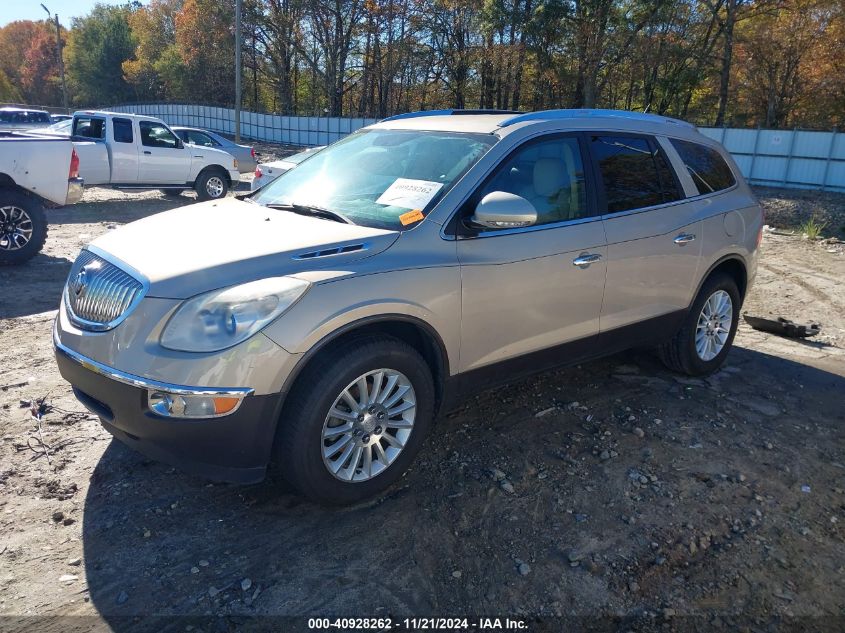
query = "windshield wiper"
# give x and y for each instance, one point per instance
(307, 209)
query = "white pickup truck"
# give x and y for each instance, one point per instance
(130, 151)
(35, 171)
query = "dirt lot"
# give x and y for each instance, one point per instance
(616, 489)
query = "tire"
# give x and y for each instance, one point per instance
(23, 227)
(171, 193)
(212, 184)
(300, 442)
(681, 353)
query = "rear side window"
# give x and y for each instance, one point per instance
(89, 127)
(122, 130)
(634, 172)
(708, 169)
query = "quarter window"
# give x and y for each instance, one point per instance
(122, 130)
(549, 174)
(89, 127)
(708, 169)
(635, 173)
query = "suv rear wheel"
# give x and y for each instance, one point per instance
(705, 338)
(356, 420)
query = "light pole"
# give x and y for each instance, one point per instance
(59, 58)
(238, 71)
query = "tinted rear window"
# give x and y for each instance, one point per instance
(633, 173)
(122, 130)
(708, 169)
(89, 127)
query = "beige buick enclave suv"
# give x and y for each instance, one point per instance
(321, 324)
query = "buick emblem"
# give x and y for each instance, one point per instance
(80, 281)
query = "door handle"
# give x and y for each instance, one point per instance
(582, 261)
(684, 238)
(147, 152)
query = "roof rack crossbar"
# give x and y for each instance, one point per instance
(546, 115)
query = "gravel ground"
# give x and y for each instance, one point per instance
(615, 489)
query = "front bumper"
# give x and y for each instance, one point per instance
(75, 187)
(234, 448)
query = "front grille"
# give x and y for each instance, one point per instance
(98, 294)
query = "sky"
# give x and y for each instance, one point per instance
(11, 10)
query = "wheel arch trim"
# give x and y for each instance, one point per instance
(734, 257)
(358, 324)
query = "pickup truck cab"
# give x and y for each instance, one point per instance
(130, 151)
(36, 171)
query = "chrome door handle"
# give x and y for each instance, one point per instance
(582, 261)
(684, 238)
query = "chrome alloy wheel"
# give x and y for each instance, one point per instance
(368, 425)
(714, 325)
(15, 228)
(214, 186)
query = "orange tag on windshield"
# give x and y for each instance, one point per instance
(410, 217)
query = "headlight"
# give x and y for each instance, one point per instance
(222, 318)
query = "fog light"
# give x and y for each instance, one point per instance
(172, 405)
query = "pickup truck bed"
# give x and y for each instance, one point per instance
(35, 171)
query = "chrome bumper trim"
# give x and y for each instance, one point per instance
(146, 383)
(75, 188)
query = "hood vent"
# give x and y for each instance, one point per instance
(328, 252)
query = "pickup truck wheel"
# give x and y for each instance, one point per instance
(23, 227)
(355, 420)
(211, 185)
(172, 193)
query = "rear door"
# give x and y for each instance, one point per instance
(163, 157)
(530, 289)
(124, 152)
(653, 235)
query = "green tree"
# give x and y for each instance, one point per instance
(99, 43)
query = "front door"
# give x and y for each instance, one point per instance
(530, 289)
(163, 159)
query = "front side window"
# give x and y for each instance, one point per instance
(708, 169)
(122, 130)
(380, 178)
(157, 135)
(635, 175)
(89, 127)
(549, 174)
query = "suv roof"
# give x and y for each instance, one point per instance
(502, 122)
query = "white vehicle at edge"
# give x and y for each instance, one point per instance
(131, 151)
(36, 171)
(268, 172)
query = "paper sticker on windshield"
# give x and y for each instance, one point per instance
(410, 193)
(411, 216)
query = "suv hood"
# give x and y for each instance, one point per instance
(220, 243)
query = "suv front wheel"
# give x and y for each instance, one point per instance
(355, 420)
(705, 338)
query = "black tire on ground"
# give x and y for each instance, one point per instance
(20, 213)
(679, 353)
(173, 193)
(212, 184)
(299, 444)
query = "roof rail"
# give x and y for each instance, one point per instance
(414, 115)
(546, 115)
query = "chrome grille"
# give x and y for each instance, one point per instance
(98, 294)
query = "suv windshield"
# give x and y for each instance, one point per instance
(379, 178)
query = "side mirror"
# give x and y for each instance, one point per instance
(179, 143)
(502, 210)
